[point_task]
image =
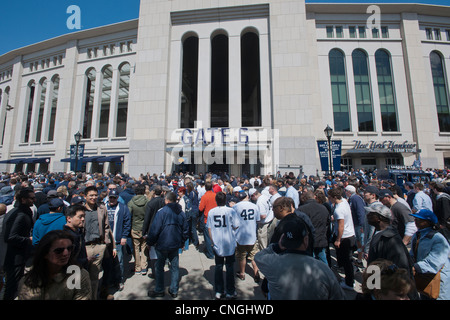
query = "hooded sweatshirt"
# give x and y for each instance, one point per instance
(137, 209)
(47, 222)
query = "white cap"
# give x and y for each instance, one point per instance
(251, 191)
(350, 188)
(237, 189)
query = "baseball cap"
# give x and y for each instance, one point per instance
(352, 189)
(237, 189)
(251, 191)
(372, 189)
(113, 193)
(381, 209)
(77, 200)
(384, 193)
(293, 233)
(426, 214)
(55, 203)
(242, 195)
(52, 193)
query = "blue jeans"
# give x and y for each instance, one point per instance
(218, 274)
(119, 257)
(320, 254)
(193, 230)
(113, 268)
(173, 257)
(209, 252)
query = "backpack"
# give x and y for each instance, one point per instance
(188, 207)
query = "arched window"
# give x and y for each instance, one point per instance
(5, 97)
(124, 93)
(362, 90)
(29, 104)
(105, 107)
(53, 108)
(339, 93)
(250, 80)
(440, 91)
(219, 81)
(89, 103)
(188, 114)
(386, 90)
(43, 87)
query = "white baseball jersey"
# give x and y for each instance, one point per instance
(265, 208)
(248, 214)
(222, 224)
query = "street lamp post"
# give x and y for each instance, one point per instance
(329, 133)
(77, 143)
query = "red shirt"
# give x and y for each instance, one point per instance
(217, 188)
(207, 202)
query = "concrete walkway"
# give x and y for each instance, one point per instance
(197, 281)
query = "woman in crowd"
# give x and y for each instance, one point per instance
(54, 274)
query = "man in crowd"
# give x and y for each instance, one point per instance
(98, 235)
(421, 199)
(17, 226)
(320, 219)
(168, 233)
(344, 235)
(221, 225)
(248, 214)
(266, 215)
(119, 219)
(293, 275)
(356, 203)
(207, 202)
(401, 218)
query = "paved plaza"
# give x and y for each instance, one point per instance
(197, 281)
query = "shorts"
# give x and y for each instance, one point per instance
(246, 251)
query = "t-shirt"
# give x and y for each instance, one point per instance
(342, 211)
(248, 214)
(400, 217)
(222, 222)
(91, 226)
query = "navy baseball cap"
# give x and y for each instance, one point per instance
(294, 232)
(372, 189)
(384, 193)
(113, 193)
(426, 214)
(77, 200)
(55, 203)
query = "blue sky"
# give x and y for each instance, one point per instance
(29, 21)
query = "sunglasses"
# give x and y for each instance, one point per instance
(61, 250)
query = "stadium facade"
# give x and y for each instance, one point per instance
(237, 86)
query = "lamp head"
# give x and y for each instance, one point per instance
(328, 131)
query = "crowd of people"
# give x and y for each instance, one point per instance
(59, 231)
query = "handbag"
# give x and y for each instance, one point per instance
(428, 284)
